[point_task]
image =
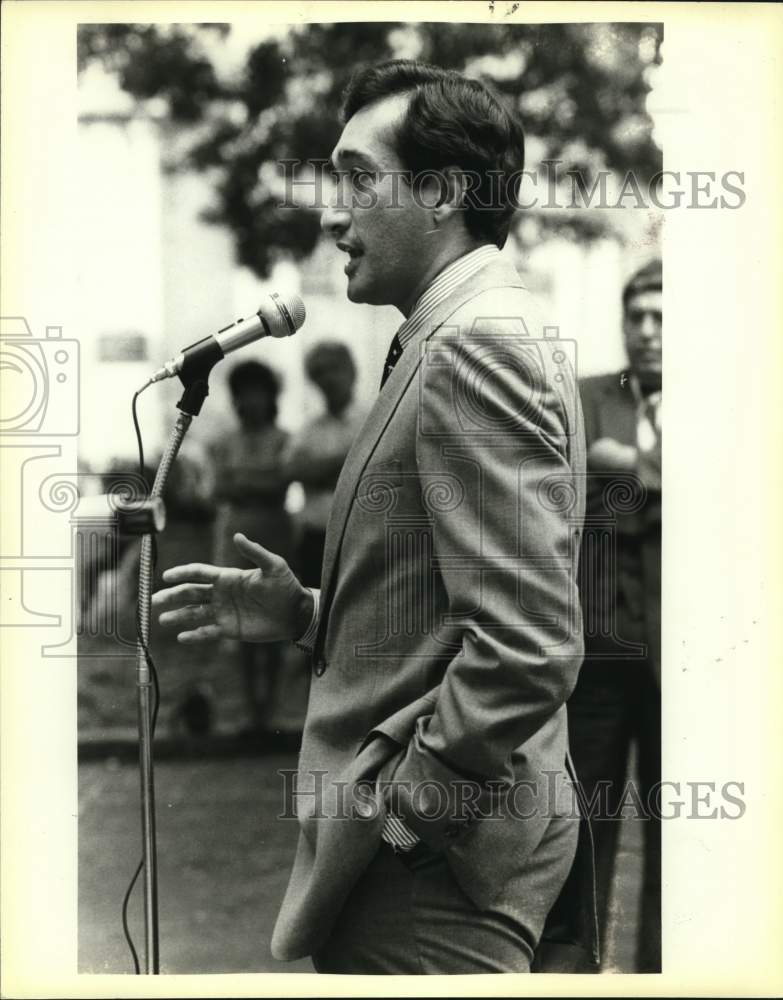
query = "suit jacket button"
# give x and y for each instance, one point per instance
(320, 666)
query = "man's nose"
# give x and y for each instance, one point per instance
(335, 218)
(650, 326)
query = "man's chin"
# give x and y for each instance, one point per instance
(354, 294)
(367, 293)
(355, 290)
(362, 294)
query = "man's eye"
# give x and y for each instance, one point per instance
(363, 177)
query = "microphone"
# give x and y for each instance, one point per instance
(276, 317)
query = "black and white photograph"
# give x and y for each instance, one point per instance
(369, 628)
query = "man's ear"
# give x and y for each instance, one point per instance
(453, 190)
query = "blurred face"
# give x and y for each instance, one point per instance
(373, 216)
(335, 380)
(253, 406)
(642, 325)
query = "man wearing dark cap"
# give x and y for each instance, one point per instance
(617, 700)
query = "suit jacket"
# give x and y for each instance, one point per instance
(450, 633)
(621, 582)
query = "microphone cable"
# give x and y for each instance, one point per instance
(155, 682)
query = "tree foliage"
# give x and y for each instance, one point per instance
(580, 90)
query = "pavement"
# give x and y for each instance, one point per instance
(223, 860)
(223, 863)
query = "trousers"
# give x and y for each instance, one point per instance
(408, 916)
(614, 704)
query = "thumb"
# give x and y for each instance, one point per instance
(266, 561)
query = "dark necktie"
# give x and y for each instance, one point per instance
(394, 355)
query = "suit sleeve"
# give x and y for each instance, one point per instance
(493, 420)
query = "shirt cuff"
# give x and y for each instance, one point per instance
(307, 640)
(398, 834)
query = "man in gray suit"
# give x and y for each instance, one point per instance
(437, 821)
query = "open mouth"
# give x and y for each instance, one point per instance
(354, 254)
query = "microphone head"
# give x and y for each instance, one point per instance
(284, 314)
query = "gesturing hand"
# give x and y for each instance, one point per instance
(266, 604)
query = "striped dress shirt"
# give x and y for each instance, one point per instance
(443, 285)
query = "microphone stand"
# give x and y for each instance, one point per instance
(194, 376)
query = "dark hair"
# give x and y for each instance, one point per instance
(334, 350)
(647, 279)
(255, 375)
(452, 121)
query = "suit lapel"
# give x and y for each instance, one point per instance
(618, 414)
(496, 274)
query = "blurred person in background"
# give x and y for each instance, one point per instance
(190, 514)
(250, 486)
(190, 509)
(617, 700)
(108, 623)
(318, 451)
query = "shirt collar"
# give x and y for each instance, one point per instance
(442, 286)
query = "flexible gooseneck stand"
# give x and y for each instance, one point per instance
(194, 376)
